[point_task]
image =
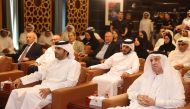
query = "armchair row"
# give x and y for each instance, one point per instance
(61, 97)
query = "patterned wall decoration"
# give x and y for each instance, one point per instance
(77, 14)
(38, 13)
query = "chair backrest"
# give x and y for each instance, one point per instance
(83, 76)
(5, 63)
(141, 61)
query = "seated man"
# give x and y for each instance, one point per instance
(159, 87)
(180, 58)
(31, 50)
(22, 39)
(62, 72)
(6, 42)
(108, 48)
(120, 64)
(47, 57)
(45, 39)
(68, 28)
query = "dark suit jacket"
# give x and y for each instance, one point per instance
(112, 48)
(34, 52)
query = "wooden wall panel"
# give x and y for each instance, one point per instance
(77, 14)
(97, 16)
(38, 13)
(1, 14)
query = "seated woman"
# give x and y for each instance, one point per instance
(116, 37)
(90, 42)
(146, 44)
(168, 46)
(159, 87)
(139, 49)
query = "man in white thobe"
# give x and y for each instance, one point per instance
(46, 58)
(180, 58)
(120, 64)
(186, 21)
(62, 72)
(6, 42)
(45, 39)
(146, 25)
(159, 87)
(64, 35)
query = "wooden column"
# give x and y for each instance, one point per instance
(1, 14)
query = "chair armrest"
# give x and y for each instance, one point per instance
(187, 106)
(119, 100)
(95, 72)
(61, 97)
(14, 74)
(24, 65)
(129, 79)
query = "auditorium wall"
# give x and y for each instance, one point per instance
(0, 14)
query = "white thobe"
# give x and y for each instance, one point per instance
(175, 57)
(59, 74)
(118, 64)
(147, 26)
(45, 40)
(6, 42)
(46, 58)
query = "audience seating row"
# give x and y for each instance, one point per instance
(61, 97)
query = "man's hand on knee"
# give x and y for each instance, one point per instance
(44, 92)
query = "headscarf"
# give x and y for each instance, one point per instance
(90, 28)
(167, 47)
(93, 42)
(30, 26)
(129, 43)
(184, 40)
(70, 26)
(188, 11)
(66, 46)
(146, 12)
(6, 30)
(171, 33)
(144, 39)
